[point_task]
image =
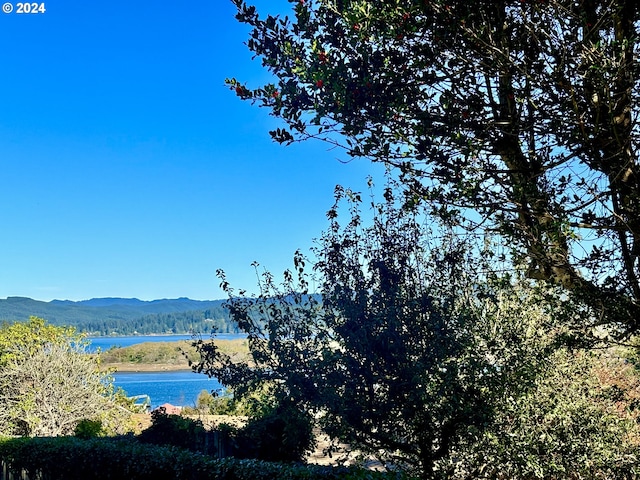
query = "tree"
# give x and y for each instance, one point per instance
(509, 116)
(48, 383)
(406, 353)
(21, 340)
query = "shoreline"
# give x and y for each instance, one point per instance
(163, 356)
(146, 367)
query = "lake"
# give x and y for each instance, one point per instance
(177, 388)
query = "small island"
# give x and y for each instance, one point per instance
(166, 356)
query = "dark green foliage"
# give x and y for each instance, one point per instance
(199, 321)
(69, 458)
(177, 431)
(411, 349)
(124, 316)
(285, 434)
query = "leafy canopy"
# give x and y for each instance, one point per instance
(509, 116)
(21, 340)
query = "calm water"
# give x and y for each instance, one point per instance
(177, 388)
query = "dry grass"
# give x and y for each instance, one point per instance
(166, 356)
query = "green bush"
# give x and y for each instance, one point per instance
(69, 458)
(252, 403)
(175, 430)
(568, 426)
(283, 435)
(210, 404)
(89, 429)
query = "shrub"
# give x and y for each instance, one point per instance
(284, 435)
(566, 427)
(208, 404)
(89, 429)
(252, 403)
(175, 430)
(68, 458)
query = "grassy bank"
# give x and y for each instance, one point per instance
(166, 356)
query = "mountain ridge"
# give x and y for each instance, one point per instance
(116, 315)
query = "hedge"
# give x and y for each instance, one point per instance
(71, 458)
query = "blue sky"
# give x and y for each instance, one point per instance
(129, 169)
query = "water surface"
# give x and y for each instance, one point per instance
(180, 388)
(177, 388)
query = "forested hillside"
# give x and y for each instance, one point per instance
(123, 316)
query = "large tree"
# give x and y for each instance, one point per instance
(513, 116)
(407, 352)
(49, 383)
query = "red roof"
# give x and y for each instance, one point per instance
(170, 409)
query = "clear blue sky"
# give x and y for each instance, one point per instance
(129, 169)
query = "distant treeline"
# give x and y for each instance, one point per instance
(176, 323)
(126, 316)
(122, 316)
(202, 321)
